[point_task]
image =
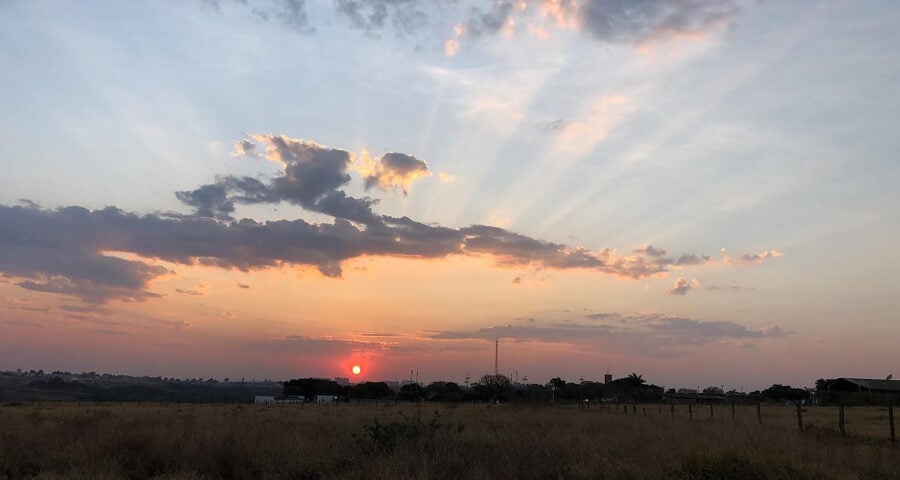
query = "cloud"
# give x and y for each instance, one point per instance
(189, 292)
(372, 16)
(110, 254)
(315, 346)
(759, 257)
(650, 251)
(395, 170)
(686, 328)
(653, 334)
(727, 288)
(641, 21)
(629, 22)
(243, 286)
(682, 286)
(311, 177)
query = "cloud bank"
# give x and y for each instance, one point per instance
(111, 254)
(630, 22)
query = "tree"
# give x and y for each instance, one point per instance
(636, 379)
(443, 392)
(556, 383)
(412, 391)
(785, 393)
(310, 387)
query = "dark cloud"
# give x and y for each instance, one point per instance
(63, 251)
(639, 21)
(311, 178)
(396, 170)
(489, 21)
(243, 285)
(650, 251)
(554, 126)
(372, 16)
(188, 292)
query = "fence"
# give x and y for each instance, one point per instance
(869, 421)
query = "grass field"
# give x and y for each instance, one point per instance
(125, 441)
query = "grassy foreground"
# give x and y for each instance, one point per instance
(130, 441)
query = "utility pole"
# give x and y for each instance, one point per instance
(497, 357)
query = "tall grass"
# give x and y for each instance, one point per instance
(178, 442)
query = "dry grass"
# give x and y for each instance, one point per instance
(178, 442)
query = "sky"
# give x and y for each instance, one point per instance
(699, 191)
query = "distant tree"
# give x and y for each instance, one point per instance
(371, 390)
(557, 383)
(821, 384)
(443, 392)
(636, 379)
(785, 393)
(713, 391)
(412, 391)
(310, 387)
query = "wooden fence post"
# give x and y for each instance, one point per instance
(841, 419)
(759, 413)
(799, 417)
(634, 409)
(617, 406)
(690, 411)
(891, 420)
(732, 410)
(644, 409)
(660, 409)
(711, 411)
(673, 410)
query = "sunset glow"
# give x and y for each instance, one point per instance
(693, 191)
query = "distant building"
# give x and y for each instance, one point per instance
(867, 385)
(607, 379)
(264, 400)
(342, 381)
(326, 398)
(687, 391)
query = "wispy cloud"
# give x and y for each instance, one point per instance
(645, 334)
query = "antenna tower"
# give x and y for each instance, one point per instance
(497, 357)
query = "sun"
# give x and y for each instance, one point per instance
(356, 370)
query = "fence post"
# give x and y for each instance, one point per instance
(891, 420)
(841, 418)
(711, 411)
(673, 410)
(759, 413)
(799, 417)
(732, 410)
(644, 409)
(660, 409)
(634, 409)
(690, 411)
(617, 406)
